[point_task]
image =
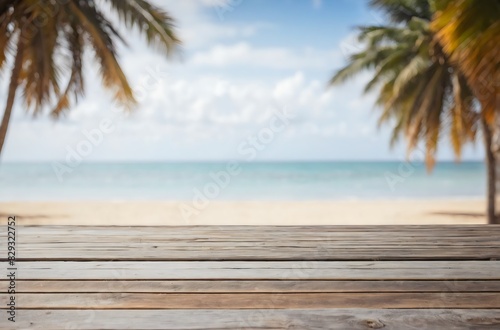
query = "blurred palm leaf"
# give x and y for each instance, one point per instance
(420, 93)
(45, 42)
(470, 33)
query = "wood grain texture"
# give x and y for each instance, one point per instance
(258, 243)
(254, 300)
(242, 286)
(314, 319)
(249, 277)
(132, 253)
(260, 270)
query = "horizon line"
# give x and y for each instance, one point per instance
(244, 161)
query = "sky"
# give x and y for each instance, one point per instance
(251, 74)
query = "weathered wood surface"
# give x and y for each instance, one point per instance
(252, 243)
(261, 270)
(245, 286)
(314, 319)
(256, 300)
(246, 277)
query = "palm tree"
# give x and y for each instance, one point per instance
(470, 34)
(44, 42)
(421, 93)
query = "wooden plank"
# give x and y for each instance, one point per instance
(249, 231)
(273, 241)
(182, 286)
(258, 243)
(291, 254)
(249, 270)
(321, 252)
(345, 228)
(270, 241)
(166, 234)
(253, 300)
(224, 233)
(314, 319)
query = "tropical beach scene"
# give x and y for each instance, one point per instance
(278, 193)
(250, 164)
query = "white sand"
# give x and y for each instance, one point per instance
(248, 213)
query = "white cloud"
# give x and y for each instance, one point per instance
(216, 3)
(192, 111)
(244, 54)
(197, 28)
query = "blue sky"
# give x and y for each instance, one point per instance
(242, 62)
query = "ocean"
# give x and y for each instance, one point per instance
(243, 181)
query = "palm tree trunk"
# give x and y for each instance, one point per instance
(16, 70)
(491, 172)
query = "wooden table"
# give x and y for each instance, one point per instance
(249, 277)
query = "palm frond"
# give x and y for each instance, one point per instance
(388, 68)
(360, 62)
(412, 71)
(75, 85)
(5, 41)
(401, 11)
(40, 73)
(100, 33)
(153, 22)
(470, 34)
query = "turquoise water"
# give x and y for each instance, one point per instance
(253, 181)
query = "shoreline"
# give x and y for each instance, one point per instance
(318, 212)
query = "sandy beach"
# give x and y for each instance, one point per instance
(384, 212)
